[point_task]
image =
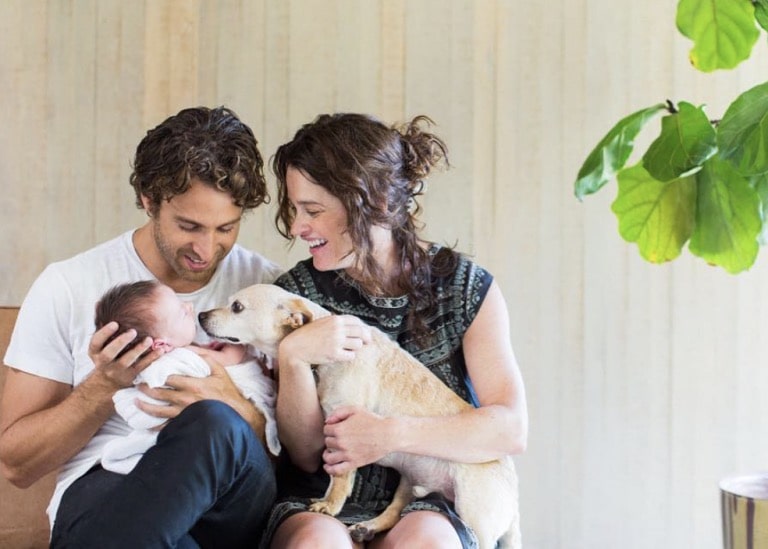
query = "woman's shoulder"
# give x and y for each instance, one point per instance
(305, 280)
(453, 268)
(300, 276)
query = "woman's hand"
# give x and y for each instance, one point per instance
(355, 437)
(322, 341)
(329, 339)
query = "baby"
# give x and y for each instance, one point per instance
(154, 310)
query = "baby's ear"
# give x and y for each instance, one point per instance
(161, 344)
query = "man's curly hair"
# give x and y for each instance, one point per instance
(211, 145)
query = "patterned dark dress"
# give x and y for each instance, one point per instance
(459, 300)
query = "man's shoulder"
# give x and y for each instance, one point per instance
(111, 248)
(85, 275)
(246, 262)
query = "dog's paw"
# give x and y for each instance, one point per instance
(325, 507)
(361, 533)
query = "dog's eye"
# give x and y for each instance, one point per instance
(237, 307)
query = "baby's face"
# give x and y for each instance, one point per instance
(176, 323)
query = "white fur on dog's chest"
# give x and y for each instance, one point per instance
(426, 474)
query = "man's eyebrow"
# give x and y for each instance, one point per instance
(182, 219)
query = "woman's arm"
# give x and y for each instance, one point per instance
(299, 416)
(498, 427)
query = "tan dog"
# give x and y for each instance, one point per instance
(386, 380)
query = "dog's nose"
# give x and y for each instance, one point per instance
(202, 316)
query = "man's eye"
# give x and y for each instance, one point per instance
(226, 230)
(237, 307)
(188, 228)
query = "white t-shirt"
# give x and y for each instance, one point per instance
(56, 322)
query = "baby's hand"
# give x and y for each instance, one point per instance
(226, 354)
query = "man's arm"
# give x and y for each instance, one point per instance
(184, 390)
(43, 423)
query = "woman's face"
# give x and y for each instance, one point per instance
(320, 220)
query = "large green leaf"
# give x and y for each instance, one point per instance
(727, 218)
(658, 216)
(761, 13)
(742, 134)
(723, 31)
(686, 141)
(612, 152)
(760, 184)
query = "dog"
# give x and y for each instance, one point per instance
(386, 380)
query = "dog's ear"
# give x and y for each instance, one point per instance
(299, 314)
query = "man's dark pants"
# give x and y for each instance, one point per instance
(206, 483)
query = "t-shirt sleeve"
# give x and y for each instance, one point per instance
(271, 272)
(40, 343)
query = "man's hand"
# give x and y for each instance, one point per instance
(120, 372)
(181, 391)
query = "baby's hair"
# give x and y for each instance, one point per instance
(131, 306)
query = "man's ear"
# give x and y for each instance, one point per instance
(147, 204)
(299, 314)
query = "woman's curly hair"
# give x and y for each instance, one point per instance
(377, 172)
(211, 145)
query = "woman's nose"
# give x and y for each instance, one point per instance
(298, 226)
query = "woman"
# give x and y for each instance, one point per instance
(347, 185)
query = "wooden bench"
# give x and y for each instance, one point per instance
(23, 522)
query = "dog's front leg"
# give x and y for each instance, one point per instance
(364, 531)
(338, 490)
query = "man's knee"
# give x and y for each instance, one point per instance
(215, 424)
(211, 418)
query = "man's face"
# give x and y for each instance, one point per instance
(193, 232)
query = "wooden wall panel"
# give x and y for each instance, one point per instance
(644, 382)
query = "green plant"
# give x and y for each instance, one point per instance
(702, 182)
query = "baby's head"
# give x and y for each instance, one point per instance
(152, 309)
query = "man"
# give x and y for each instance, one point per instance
(208, 481)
